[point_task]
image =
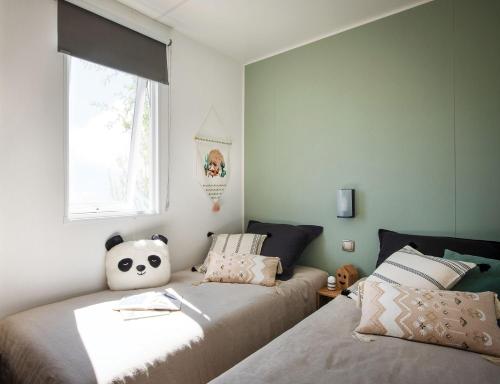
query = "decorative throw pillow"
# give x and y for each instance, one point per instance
(246, 243)
(486, 277)
(411, 268)
(137, 264)
(285, 241)
(243, 269)
(462, 320)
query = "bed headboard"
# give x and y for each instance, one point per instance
(391, 242)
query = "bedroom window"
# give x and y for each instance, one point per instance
(111, 142)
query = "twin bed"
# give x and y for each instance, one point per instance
(82, 340)
(322, 350)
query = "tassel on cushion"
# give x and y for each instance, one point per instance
(360, 337)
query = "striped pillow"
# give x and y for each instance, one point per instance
(245, 243)
(413, 269)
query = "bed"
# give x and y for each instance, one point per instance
(82, 340)
(321, 349)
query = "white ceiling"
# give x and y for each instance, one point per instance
(249, 30)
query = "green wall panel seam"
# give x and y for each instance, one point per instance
(454, 117)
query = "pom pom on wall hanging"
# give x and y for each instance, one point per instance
(212, 158)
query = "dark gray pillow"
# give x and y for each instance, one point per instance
(285, 241)
(391, 242)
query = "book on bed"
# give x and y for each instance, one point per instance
(150, 301)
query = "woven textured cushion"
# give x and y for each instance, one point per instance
(411, 268)
(462, 320)
(391, 241)
(243, 269)
(285, 241)
(482, 279)
(246, 243)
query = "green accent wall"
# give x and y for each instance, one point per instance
(406, 110)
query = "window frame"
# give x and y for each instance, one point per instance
(155, 136)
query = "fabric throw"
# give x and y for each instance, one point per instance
(485, 277)
(243, 243)
(243, 269)
(411, 268)
(462, 320)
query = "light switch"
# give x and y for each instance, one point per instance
(348, 245)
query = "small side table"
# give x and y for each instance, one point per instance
(324, 295)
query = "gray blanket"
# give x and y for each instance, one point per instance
(82, 340)
(321, 349)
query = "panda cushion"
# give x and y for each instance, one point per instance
(137, 264)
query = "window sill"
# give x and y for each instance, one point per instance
(106, 215)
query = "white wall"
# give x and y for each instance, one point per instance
(43, 259)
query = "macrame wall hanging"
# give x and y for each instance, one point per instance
(212, 158)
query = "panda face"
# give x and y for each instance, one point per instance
(125, 264)
(138, 264)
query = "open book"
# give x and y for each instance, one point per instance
(149, 304)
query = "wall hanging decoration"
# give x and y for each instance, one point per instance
(212, 158)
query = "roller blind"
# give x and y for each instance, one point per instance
(88, 36)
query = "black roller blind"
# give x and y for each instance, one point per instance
(88, 36)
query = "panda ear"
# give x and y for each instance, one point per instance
(159, 237)
(112, 241)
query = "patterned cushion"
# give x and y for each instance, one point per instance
(244, 269)
(461, 320)
(245, 243)
(411, 268)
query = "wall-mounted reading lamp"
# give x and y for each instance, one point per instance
(345, 203)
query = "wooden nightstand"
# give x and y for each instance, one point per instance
(324, 295)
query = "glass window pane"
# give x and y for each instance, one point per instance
(144, 186)
(110, 160)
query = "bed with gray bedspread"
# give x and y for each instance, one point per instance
(321, 349)
(82, 340)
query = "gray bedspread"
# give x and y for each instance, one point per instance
(82, 340)
(320, 349)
